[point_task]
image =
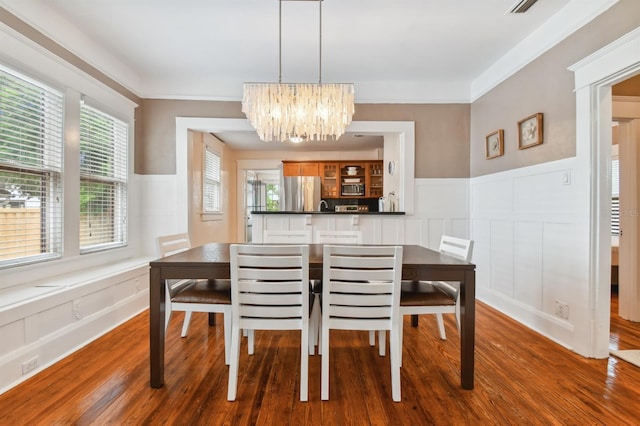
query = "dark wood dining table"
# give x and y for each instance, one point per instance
(211, 261)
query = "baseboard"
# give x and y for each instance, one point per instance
(558, 330)
(58, 345)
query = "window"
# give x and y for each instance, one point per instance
(103, 180)
(273, 197)
(31, 144)
(211, 184)
(615, 197)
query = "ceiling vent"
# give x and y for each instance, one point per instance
(521, 6)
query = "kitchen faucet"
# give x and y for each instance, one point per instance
(320, 205)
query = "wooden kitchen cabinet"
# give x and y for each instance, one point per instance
(375, 182)
(353, 179)
(329, 175)
(295, 168)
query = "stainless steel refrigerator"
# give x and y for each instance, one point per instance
(301, 193)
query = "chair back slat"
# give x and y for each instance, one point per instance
(338, 237)
(364, 262)
(172, 244)
(371, 300)
(259, 286)
(364, 287)
(361, 286)
(272, 274)
(355, 274)
(270, 299)
(268, 260)
(287, 237)
(269, 313)
(362, 312)
(456, 247)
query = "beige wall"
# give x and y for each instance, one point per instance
(442, 135)
(211, 228)
(155, 151)
(545, 85)
(442, 132)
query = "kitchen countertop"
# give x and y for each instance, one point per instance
(329, 212)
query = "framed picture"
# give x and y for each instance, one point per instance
(494, 144)
(530, 131)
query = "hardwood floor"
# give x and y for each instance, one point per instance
(521, 378)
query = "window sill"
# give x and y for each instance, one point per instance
(208, 217)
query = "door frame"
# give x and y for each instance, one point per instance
(593, 78)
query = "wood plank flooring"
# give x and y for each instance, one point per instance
(521, 378)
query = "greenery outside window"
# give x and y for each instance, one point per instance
(273, 197)
(103, 180)
(31, 146)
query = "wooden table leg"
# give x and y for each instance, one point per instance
(414, 320)
(156, 327)
(212, 318)
(467, 328)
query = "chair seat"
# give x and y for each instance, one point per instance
(205, 291)
(424, 293)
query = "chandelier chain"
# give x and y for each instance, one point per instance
(301, 111)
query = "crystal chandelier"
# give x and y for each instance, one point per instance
(298, 111)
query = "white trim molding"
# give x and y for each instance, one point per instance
(594, 76)
(569, 19)
(405, 131)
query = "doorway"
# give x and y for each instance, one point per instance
(262, 193)
(594, 77)
(627, 135)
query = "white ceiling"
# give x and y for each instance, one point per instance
(402, 51)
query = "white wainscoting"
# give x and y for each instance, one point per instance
(76, 309)
(442, 207)
(159, 211)
(530, 246)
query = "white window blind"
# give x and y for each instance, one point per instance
(31, 145)
(615, 197)
(103, 180)
(211, 183)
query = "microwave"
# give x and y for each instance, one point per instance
(353, 189)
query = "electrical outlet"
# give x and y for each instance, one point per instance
(562, 310)
(30, 365)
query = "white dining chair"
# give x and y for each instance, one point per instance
(327, 237)
(361, 291)
(429, 297)
(269, 291)
(440, 297)
(297, 236)
(209, 296)
(436, 297)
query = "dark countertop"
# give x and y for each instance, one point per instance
(330, 212)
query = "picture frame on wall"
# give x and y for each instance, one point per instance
(530, 131)
(494, 144)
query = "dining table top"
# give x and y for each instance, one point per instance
(412, 255)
